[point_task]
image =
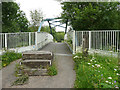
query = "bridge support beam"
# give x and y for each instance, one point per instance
(50, 27)
(66, 26)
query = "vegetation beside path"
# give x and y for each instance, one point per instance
(8, 57)
(96, 71)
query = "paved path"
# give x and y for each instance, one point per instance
(64, 79)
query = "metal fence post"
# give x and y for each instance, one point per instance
(29, 38)
(6, 40)
(36, 39)
(89, 40)
(73, 42)
(82, 38)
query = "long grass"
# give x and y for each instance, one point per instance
(96, 71)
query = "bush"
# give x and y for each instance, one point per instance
(9, 57)
(96, 71)
(59, 36)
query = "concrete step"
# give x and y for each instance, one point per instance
(36, 72)
(37, 55)
(37, 63)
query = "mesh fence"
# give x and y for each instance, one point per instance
(103, 40)
(14, 40)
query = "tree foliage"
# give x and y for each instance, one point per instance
(13, 19)
(92, 15)
(36, 17)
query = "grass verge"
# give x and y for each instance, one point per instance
(96, 71)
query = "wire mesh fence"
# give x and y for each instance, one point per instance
(0, 41)
(23, 39)
(102, 40)
(13, 40)
(32, 38)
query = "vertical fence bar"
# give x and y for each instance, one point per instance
(73, 42)
(6, 40)
(107, 40)
(101, 40)
(89, 40)
(82, 35)
(111, 39)
(36, 40)
(76, 41)
(115, 42)
(95, 40)
(29, 38)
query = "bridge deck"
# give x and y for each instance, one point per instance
(64, 79)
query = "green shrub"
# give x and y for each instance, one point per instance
(96, 71)
(9, 57)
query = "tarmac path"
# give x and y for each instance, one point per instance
(64, 79)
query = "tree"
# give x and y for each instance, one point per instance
(36, 17)
(92, 15)
(13, 19)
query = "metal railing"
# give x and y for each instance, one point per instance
(102, 40)
(13, 40)
(105, 40)
(23, 39)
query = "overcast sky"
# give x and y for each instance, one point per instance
(50, 8)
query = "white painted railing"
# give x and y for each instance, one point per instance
(24, 40)
(13, 40)
(105, 40)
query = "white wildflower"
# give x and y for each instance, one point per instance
(115, 69)
(98, 65)
(94, 61)
(92, 65)
(89, 63)
(117, 74)
(98, 71)
(109, 77)
(109, 82)
(116, 87)
(91, 60)
(106, 81)
(76, 57)
(95, 64)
